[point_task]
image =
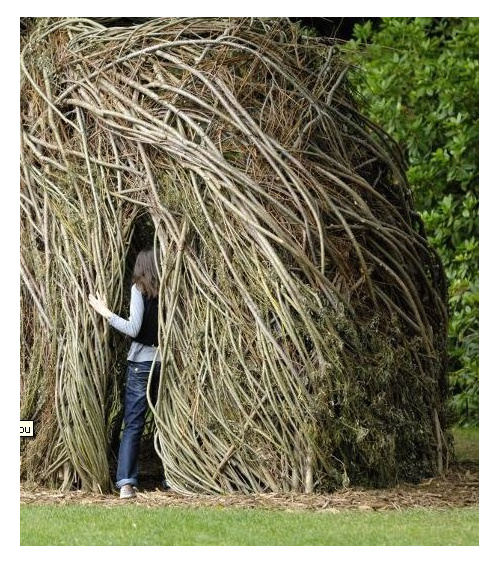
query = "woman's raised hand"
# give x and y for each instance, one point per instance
(100, 305)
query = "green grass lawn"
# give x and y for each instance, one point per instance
(138, 525)
(466, 444)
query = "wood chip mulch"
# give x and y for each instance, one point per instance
(458, 488)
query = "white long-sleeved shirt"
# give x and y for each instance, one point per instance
(138, 352)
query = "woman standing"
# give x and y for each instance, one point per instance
(142, 327)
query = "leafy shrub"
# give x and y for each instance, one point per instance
(420, 81)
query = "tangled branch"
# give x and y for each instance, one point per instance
(303, 317)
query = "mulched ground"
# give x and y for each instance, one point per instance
(458, 488)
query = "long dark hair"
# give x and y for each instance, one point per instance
(145, 274)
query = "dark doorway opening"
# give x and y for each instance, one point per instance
(150, 467)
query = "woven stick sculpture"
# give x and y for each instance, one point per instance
(303, 318)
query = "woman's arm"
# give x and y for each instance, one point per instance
(133, 325)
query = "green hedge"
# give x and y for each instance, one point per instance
(420, 80)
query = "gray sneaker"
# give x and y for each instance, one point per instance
(127, 491)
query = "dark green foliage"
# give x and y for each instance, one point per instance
(420, 80)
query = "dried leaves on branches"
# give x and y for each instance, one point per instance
(303, 321)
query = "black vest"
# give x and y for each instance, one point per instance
(148, 334)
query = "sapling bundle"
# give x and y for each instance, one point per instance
(302, 311)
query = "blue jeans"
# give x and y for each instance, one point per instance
(135, 407)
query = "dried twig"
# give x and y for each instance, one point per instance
(303, 319)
